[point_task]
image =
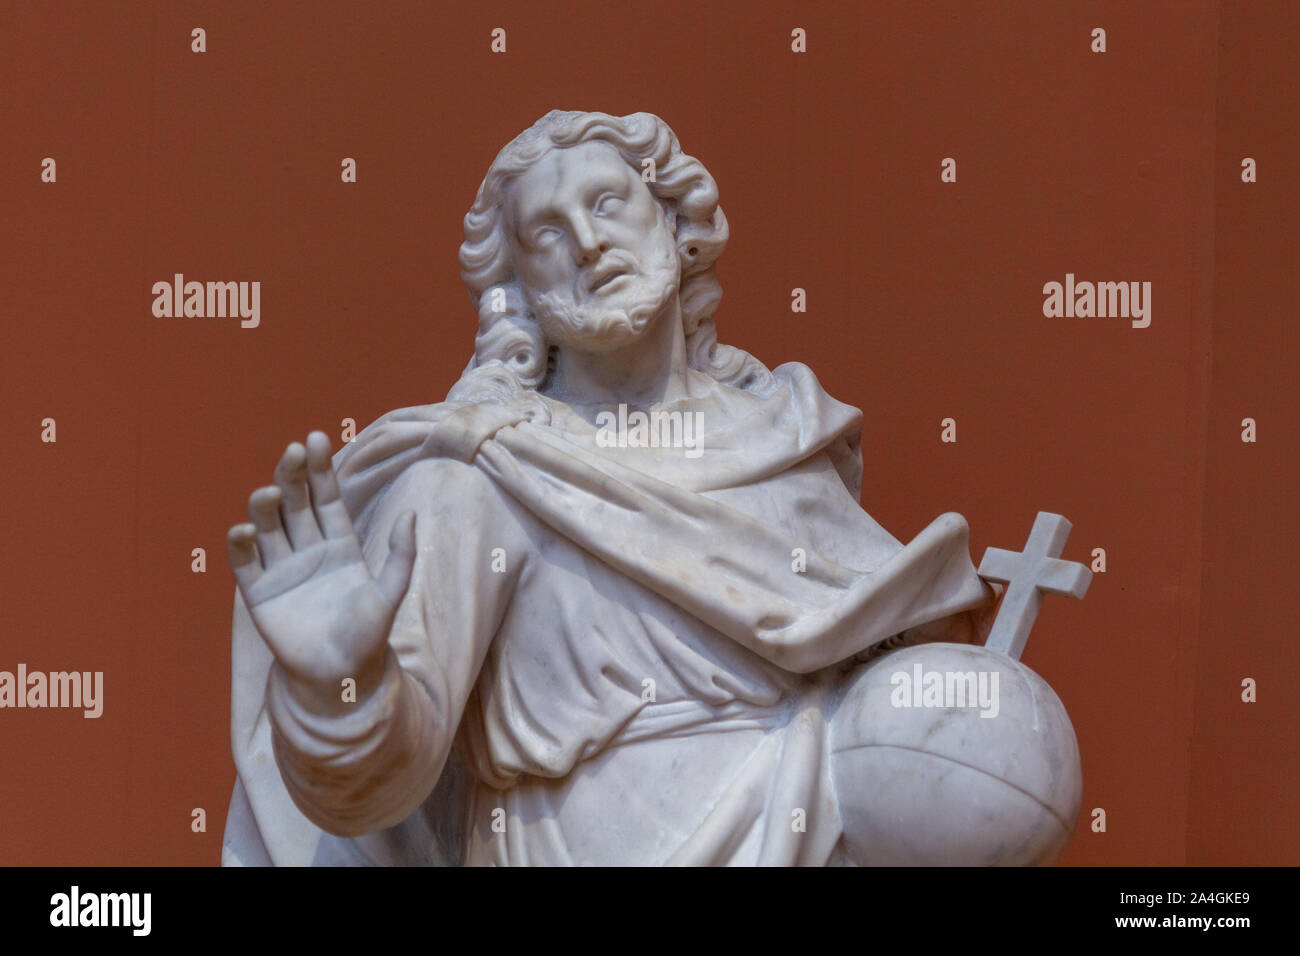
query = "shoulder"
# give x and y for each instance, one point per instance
(387, 449)
(803, 386)
(838, 424)
(420, 459)
(431, 482)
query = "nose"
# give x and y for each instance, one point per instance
(588, 239)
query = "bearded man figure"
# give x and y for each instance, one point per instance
(478, 635)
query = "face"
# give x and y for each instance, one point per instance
(591, 247)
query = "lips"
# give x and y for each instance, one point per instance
(603, 277)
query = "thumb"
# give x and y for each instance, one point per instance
(395, 575)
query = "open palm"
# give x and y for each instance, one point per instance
(302, 574)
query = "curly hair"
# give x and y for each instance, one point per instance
(511, 355)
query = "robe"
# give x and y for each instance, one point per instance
(606, 655)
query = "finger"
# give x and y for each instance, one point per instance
(241, 546)
(395, 575)
(295, 501)
(264, 509)
(328, 505)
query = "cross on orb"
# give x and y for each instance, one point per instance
(1030, 574)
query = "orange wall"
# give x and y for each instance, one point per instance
(924, 302)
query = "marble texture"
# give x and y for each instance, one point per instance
(944, 786)
(615, 600)
(1036, 571)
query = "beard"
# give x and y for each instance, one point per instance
(595, 325)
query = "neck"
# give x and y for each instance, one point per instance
(649, 370)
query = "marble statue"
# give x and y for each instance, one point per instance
(615, 601)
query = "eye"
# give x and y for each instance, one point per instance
(545, 235)
(607, 203)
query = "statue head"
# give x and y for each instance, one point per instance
(571, 242)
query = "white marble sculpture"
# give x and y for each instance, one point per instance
(615, 600)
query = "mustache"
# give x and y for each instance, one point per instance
(596, 324)
(614, 259)
(664, 258)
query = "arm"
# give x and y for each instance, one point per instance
(965, 627)
(361, 770)
(412, 637)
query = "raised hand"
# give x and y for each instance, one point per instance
(302, 574)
